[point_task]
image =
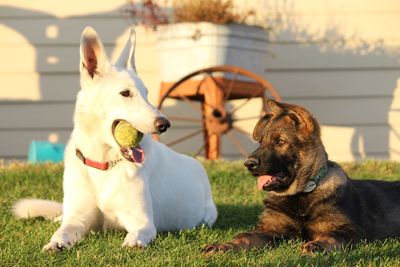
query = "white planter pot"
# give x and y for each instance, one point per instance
(186, 47)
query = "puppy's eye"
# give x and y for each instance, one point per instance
(280, 142)
(126, 93)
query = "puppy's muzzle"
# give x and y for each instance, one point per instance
(161, 124)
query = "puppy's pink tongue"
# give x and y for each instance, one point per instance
(264, 179)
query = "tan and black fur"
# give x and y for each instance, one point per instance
(338, 212)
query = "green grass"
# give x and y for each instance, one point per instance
(239, 204)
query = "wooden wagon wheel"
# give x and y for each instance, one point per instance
(213, 89)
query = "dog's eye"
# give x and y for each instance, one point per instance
(126, 93)
(280, 141)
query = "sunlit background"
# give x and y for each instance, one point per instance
(338, 58)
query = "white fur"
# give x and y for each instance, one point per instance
(167, 192)
(31, 208)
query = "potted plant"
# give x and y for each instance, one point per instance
(208, 33)
(201, 34)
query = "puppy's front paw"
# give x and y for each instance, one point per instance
(215, 248)
(138, 240)
(311, 247)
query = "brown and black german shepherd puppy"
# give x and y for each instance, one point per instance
(309, 196)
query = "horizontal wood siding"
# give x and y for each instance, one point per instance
(317, 59)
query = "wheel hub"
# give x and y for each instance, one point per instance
(218, 122)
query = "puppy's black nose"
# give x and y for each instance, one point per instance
(251, 163)
(161, 124)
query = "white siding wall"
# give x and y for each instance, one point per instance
(338, 58)
(39, 51)
(341, 60)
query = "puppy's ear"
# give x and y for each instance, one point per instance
(93, 62)
(275, 106)
(259, 129)
(127, 57)
(303, 118)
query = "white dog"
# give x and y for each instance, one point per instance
(145, 189)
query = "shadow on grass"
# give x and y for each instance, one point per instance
(381, 253)
(236, 215)
(230, 216)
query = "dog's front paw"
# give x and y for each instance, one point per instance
(58, 244)
(215, 248)
(54, 247)
(311, 247)
(138, 239)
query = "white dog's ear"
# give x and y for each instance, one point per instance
(94, 62)
(127, 57)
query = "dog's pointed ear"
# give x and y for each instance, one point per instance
(93, 62)
(303, 118)
(127, 57)
(275, 106)
(259, 129)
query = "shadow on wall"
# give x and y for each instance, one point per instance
(345, 81)
(43, 70)
(56, 43)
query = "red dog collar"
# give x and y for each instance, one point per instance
(94, 164)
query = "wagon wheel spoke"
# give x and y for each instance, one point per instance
(188, 119)
(185, 137)
(230, 86)
(247, 100)
(246, 118)
(237, 144)
(203, 146)
(241, 131)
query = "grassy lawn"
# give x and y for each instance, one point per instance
(239, 204)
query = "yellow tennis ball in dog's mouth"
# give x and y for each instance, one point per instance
(126, 135)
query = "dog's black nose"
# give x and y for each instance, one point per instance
(161, 124)
(251, 163)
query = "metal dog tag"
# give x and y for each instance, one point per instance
(310, 186)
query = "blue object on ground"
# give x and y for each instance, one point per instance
(41, 151)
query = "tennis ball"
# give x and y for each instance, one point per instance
(126, 135)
